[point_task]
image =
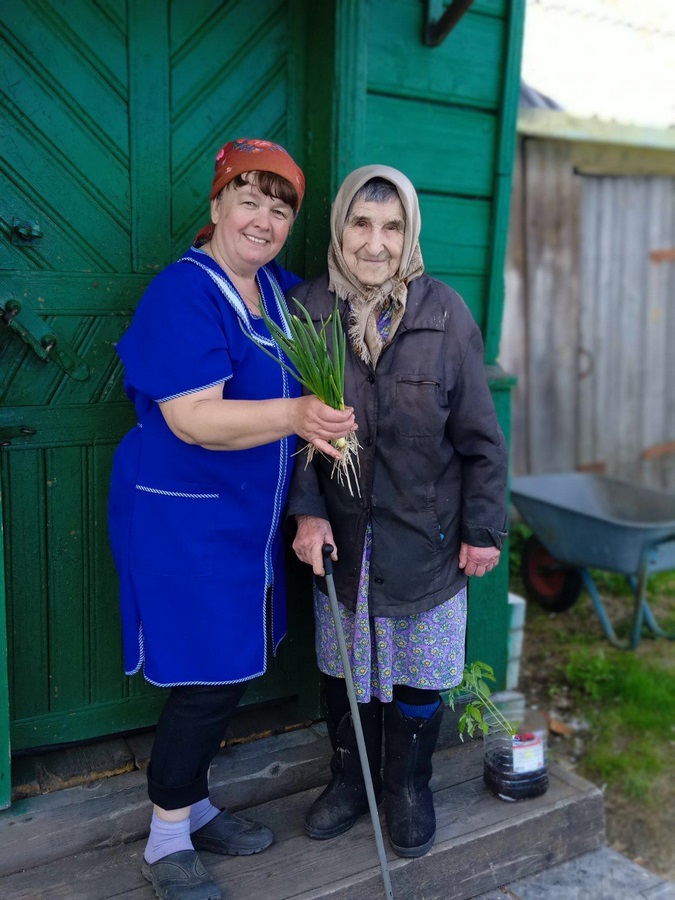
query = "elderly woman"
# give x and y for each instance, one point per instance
(431, 509)
(197, 493)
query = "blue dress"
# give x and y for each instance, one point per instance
(195, 532)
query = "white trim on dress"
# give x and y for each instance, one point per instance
(187, 495)
(203, 387)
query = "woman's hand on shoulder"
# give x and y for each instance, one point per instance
(313, 532)
(477, 560)
(318, 424)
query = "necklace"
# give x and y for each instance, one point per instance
(253, 304)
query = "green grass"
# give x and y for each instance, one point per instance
(643, 691)
(621, 704)
(628, 700)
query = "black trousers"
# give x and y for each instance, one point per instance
(190, 729)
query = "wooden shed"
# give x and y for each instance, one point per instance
(112, 113)
(589, 323)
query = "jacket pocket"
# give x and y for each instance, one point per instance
(418, 411)
(173, 530)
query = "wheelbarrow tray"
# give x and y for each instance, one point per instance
(596, 522)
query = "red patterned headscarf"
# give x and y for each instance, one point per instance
(251, 155)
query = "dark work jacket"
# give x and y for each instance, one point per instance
(433, 458)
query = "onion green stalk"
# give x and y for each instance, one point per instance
(313, 367)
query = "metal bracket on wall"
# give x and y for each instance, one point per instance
(42, 339)
(437, 24)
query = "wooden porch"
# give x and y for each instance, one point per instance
(86, 842)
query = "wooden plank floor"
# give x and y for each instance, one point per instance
(87, 843)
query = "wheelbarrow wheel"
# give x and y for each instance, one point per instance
(550, 583)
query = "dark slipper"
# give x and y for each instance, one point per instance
(232, 836)
(181, 876)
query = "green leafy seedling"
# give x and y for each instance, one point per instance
(474, 683)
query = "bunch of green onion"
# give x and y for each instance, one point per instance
(323, 376)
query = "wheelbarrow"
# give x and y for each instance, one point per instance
(581, 522)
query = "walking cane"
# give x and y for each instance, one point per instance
(326, 551)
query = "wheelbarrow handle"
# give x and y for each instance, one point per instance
(326, 552)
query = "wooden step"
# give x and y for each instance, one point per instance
(87, 843)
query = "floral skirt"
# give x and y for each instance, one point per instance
(425, 650)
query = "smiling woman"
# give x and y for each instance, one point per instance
(195, 537)
(252, 218)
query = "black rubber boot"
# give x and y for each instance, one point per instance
(408, 801)
(345, 798)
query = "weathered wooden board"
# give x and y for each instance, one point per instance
(625, 401)
(551, 218)
(513, 348)
(481, 843)
(588, 325)
(116, 810)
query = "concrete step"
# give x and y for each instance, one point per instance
(86, 843)
(600, 875)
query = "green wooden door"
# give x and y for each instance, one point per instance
(113, 114)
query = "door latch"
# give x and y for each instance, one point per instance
(7, 432)
(25, 231)
(41, 338)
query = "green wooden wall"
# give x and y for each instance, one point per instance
(107, 141)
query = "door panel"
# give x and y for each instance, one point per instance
(65, 137)
(247, 57)
(112, 117)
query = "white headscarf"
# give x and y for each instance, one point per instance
(366, 303)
